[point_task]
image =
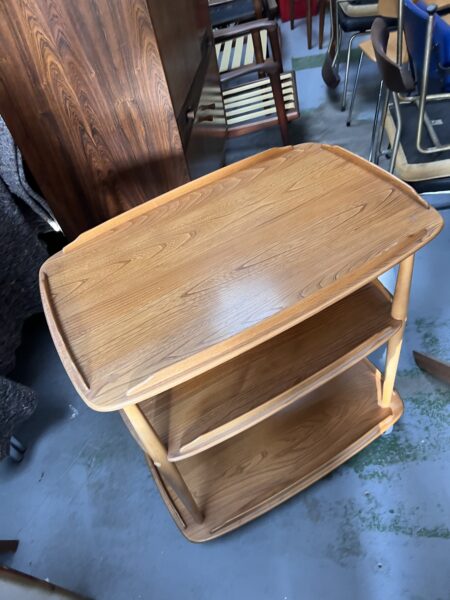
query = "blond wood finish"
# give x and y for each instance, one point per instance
(189, 281)
(248, 475)
(225, 401)
(151, 444)
(244, 293)
(399, 312)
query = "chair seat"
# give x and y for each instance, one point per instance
(252, 104)
(236, 11)
(360, 9)
(425, 172)
(367, 47)
(354, 24)
(239, 52)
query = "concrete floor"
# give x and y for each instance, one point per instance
(89, 517)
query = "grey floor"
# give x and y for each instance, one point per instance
(89, 517)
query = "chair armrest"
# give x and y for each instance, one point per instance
(221, 35)
(269, 67)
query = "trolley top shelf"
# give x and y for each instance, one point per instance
(189, 280)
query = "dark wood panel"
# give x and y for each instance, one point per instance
(183, 34)
(84, 94)
(205, 149)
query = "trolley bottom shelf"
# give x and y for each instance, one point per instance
(247, 475)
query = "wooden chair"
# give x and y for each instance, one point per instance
(353, 17)
(322, 7)
(271, 97)
(389, 10)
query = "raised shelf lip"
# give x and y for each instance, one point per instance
(281, 401)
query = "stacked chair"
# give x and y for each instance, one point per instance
(267, 96)
(417, 122)
(388, 9)
(354, 17)
(419, 114)
(321, 6)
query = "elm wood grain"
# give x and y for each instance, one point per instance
(255, 471)
(83, 90)
(438, 368)
(166, 293)
(225, 401)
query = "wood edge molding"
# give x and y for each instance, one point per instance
(168, 500)
(57, 333)
(381, 173)
(182, 190)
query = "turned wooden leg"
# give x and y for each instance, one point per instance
(309, 23)
(322, 6)
(153, 446)
(437, 368)
(279, 105)
(399, 312)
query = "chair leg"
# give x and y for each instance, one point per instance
(279, 105)
(309, 23)
(379, 139)
(375, 123)
(398, 131)
(322, 6)
(337, 56)
(292, 12)
(347, 69)
(352, 100)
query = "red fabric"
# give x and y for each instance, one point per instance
(299, 9)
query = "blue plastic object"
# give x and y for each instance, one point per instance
(415, 27)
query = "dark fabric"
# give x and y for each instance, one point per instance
(22, 215)
(439, 114)
(17, 403)
(354, 24)
(22, 255)
(431, 185)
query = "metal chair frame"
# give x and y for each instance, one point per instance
(408, 96)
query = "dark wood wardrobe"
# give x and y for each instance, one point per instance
(104, 98)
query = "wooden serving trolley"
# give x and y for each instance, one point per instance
(229, 321)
